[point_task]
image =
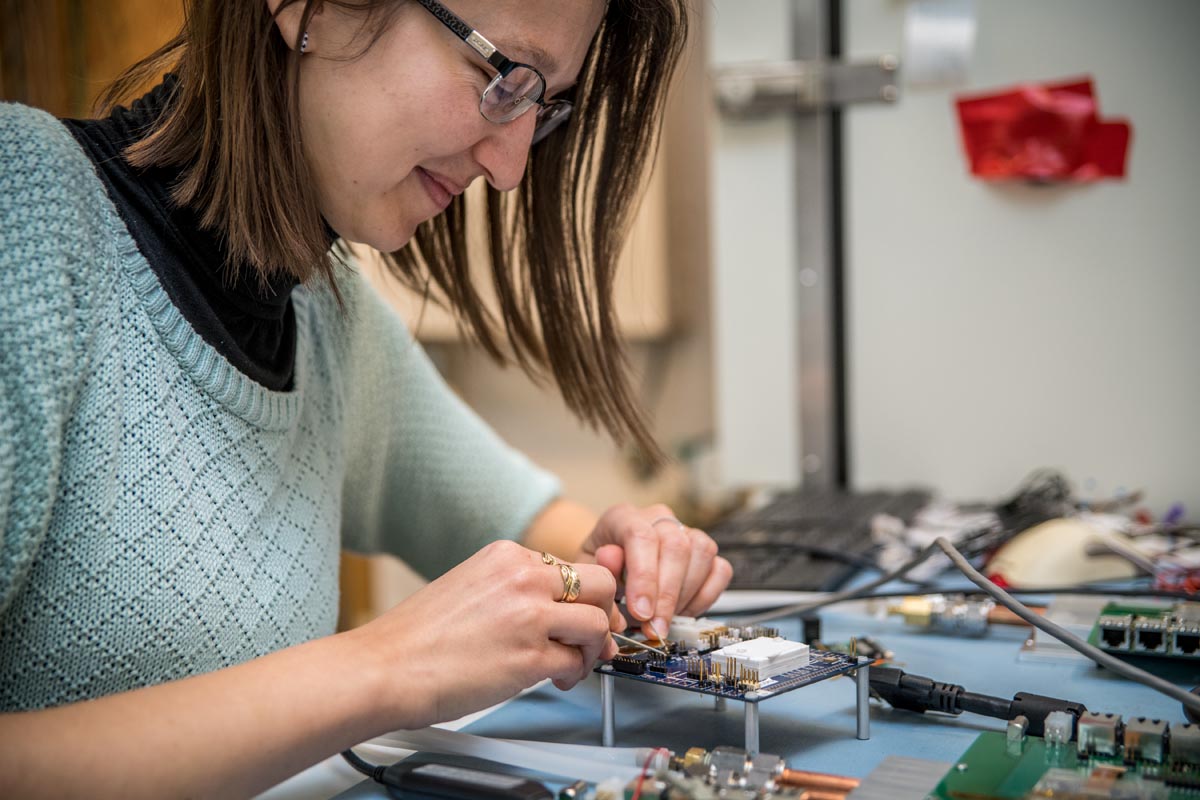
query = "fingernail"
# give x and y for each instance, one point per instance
(642, 607)
(660, 625)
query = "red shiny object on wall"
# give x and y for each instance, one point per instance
(1042, 132)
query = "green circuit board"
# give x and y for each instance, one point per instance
(1171, 632)
(994, 769)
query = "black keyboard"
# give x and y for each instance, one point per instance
(808, 540)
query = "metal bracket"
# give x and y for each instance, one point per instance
(751, 90)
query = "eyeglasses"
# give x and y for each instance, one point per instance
(516, 88)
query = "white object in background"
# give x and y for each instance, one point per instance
(939, 40)
(1057, 553)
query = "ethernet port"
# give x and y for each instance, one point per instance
(1114, 638)
(1149, 639)
(1187, 643)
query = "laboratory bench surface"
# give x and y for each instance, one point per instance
(814, 728)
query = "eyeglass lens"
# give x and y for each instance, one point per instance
(511, 95)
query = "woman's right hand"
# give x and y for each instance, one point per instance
(484, 631)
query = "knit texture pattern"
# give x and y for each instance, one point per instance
(162, 515)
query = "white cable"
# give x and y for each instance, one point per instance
(1065, 636)
(528, 755)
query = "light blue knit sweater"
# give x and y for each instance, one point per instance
(161, 514)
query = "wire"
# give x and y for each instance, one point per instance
(637, 792)
(1005, 599)
(966, 591)
(1102, 658)
(372, 771)
(840, 597)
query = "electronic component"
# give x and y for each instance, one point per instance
(1015, 732)
(631, 660)
(1059, 728)
(736, 674)
(730, 772)
(694, 633)
(992, 768)
(703, 634)
(763, 658)
(1099, 734)
(1104, 781)
(1185, 744)
(1158, 631)
(921, 694)
(576, 791)
(1145, 740)
(950, 614)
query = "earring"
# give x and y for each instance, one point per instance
(304, 43)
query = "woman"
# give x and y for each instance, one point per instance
(196, 398)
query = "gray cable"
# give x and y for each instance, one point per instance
(841, 597)
(1005, 599)
(1063, 635)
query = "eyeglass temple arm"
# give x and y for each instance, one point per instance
(476, 40)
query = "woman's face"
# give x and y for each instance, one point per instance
(392, 135)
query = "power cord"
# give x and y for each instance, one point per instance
(372, 771)
(920, 694)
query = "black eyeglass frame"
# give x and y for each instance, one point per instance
(550, 114)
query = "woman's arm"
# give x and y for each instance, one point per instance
(560, 529)
(229, 733)
(479, 634)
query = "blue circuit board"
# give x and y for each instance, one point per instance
(822, 666)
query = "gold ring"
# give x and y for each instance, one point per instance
(571, 585)
(548, 559)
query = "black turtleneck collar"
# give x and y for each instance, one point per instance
(250, 323)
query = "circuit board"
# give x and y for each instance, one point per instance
(680, 672)
(1153, 631)
(996, 769)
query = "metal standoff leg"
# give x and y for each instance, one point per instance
(863, 680)
(751, 728)
(608, 703)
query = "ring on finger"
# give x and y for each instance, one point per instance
(682, 527)
(571, 584)
(549, 559)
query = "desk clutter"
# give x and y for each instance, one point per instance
(1108, 715)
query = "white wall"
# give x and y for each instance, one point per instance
(994, 329)
(756, 346)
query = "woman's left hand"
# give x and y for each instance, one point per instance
(667, 568)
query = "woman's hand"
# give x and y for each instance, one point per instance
(668, 567)
(487, 629)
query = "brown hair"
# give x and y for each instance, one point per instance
(552, 243)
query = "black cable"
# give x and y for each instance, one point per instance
(920, 694)
(372, 771)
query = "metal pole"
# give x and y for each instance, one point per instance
(751, 726)
(863, 680)
(607, 707)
